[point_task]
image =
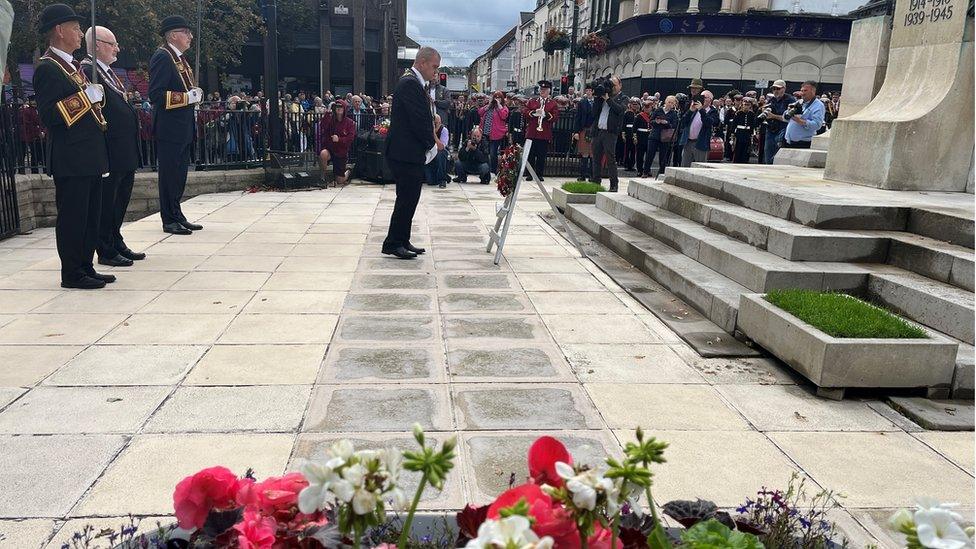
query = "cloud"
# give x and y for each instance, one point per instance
(462, 30)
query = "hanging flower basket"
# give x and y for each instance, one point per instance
(555, 40)
(592, 44)
(508, 168)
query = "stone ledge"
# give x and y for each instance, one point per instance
(805, 158)
(830, 362)
(563, 198)
(36, 200)
(937, 415)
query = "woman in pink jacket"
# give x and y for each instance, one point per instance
(335, 136)
(494, 126)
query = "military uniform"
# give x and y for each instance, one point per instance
(540, 138)
(123, 159)
(76, 153)
(170, 84)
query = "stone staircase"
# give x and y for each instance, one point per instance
(709, 235)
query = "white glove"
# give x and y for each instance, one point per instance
(95, 92)
(195, 95)
(430, 155)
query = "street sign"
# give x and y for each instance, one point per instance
(762, 84)
(511, 84)
(341, 10)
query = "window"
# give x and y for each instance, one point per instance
(372, 39)
(341, 38)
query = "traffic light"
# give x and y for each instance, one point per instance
(564, 85)
(443, 79)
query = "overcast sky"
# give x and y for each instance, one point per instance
(462, 29)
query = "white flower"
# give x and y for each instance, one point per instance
(354, 474)
(901, 520)
(586, 486)
(363, 502)
(513, 531)
(318, 492)
(932, 504)
(937, 529)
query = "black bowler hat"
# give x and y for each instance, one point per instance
(545, 84)
(54, 15)
(173, 22)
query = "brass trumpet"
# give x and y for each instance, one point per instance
(541, 113)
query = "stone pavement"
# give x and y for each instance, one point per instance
(280, 328)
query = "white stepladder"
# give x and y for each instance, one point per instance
(504, 213)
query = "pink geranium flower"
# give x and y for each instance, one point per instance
(543, 455)
(256, 531)
(196, 495)
(274, 495)
(551, 519)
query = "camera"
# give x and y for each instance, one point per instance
(766, 112)
(794, 109)
(682, 101)
(602, 86)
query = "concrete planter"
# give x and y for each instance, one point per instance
(833, 364)
(563, 198)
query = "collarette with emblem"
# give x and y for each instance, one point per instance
(186, 73)
(108, 76)
(74, 107)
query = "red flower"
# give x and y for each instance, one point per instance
(601, 538)
(470, 519)
(550, 519)
(543, 455)
(273, 495)
(256, 531)
(195, 496)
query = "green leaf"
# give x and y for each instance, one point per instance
(712, 534)
(658, 539)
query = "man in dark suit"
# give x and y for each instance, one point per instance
(581, 132)
(173, 92)
(409, 146)
(70, 108)
(123, 149)
(608, 117)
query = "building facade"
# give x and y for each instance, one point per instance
(534, 63)
(730, 44)
(358, 43)
(502, 62)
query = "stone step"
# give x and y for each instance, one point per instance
(712, 294)
(806, 158)
(938, 305)
(926, 256)
(755, 269)
(770, 192)
(776, 235)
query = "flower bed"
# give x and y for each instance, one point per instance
(834, 363)
(576, 192)
(843, 316)
(341, 501)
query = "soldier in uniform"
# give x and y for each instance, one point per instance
(546, 109)
(70, 108)
(173, 93)
(628, 136)
(123, 149)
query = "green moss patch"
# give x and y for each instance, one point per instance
(582, 187)
(843, 316)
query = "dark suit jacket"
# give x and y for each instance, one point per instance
(123, 127)
(411, 122)
(618, 106)
(584, 115)
(175, 123)
(76, 149)
(709, 122)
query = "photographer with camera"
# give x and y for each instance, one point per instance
(805, 118)
(608, 111)
(473, 158)
(699, 123)
(772, 114)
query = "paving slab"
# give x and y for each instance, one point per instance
(493, 327)
(957, 447)
(31, 533)
(69, 528)
(101, 365)
(628, 363)
(394, 282)
(938, 415)
(478, 281)
(199, 302)
(257, 365)
(663, 406)
(69, 410)
(591, 328)
(280, 328)
(9, 394)
(472, 302)
(373, 408)
(379, 364)
(58, 329)
(43, 476)
(518, 362)
(26, 365)
(856, 464)
(497, 406)
(796, 408)
(273, 408)
(386, 328)
(285, 302)
(148, 462)
(388, 301)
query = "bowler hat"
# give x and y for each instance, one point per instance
(54, 15)
(545, 84)
(173, 22)
(696, 83)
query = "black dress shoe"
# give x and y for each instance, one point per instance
(613, 188)
(117, 261)
(414, 249)
(84, 283)
(132, 256)
(108, 279)
(176, 228)
(460, 179)
(401, 253)
(191, 226)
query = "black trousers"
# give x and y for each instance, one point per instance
(174, 160)
(630, 152)
(743, 142)
(604, 145)
(641, 150)
(79, 203)
(796, 145)
(537, 156)
(116, 192)
(409, 182)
